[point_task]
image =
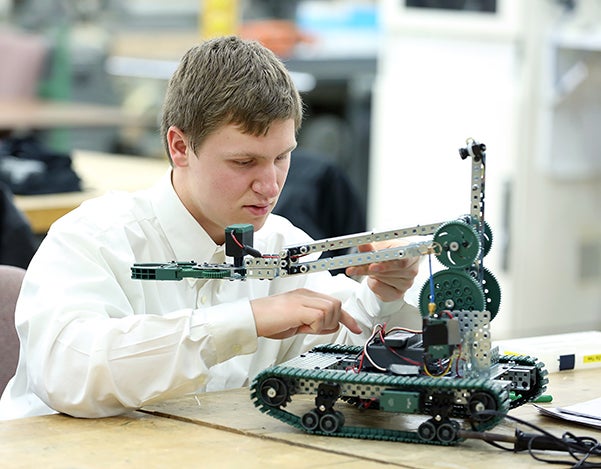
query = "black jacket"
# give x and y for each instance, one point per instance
(319, 198)
(17, 242)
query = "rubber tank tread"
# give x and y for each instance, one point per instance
(421, 383)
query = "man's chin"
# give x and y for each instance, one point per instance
(258, 224)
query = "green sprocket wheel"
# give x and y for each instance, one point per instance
(490, 288)
(486, 239)
(453, 290)
(459, 242)
(492, 293)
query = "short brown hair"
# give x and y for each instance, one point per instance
(228, 80)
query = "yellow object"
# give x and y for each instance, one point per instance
(559, 352)
(218, 18)
(592, 358)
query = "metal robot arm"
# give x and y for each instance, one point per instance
(456, 243)
(289, 260)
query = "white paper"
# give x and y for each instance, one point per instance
(585, 413)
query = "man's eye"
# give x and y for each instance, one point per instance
(242, 162)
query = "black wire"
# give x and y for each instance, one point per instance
(245, 247)
(579, 448)
(252, 251)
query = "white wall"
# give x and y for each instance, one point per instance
(437, 86)
(556, 259)
(434, 91)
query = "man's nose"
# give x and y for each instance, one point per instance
(266, 183)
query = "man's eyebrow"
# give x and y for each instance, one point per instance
(260, 155)
(289, 150)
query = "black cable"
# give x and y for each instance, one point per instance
(252, 251)
(246, 249)
(579, 448)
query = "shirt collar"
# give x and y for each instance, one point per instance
(189, 241)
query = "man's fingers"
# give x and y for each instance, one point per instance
(404, 267)
(307, 312)
(318, 327)
(383, 290)
(350, 322)
(325, 315)
(366, 247)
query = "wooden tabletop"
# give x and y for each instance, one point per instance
(224, 429)
(34, 114)
(234, 410)
(100, 173)
(139, 440)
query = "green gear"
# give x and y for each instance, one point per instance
(486, 239)
(491, 289)
(492, 293)
(214, 273)
(453, 290)
(459, 242)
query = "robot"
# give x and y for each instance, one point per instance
(447, 378)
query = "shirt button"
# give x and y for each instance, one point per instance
(203, 299)
(236, 348)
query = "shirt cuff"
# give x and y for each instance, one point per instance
(230, 327)
(375, 307)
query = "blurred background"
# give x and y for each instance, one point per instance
(392, 89)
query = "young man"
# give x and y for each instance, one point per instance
(95, 343)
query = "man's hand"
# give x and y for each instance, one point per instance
(300, 311)
(391, 279)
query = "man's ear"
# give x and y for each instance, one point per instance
(178, 146)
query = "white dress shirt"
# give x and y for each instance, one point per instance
(96, 343)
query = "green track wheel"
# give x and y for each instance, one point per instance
(274, 392)
(459, 242)
(453, 290)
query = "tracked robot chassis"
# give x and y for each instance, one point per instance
(442, 378)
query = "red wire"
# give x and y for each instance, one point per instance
(236, 240)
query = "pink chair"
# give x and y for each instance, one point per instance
(10, 284)
(22, 59)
